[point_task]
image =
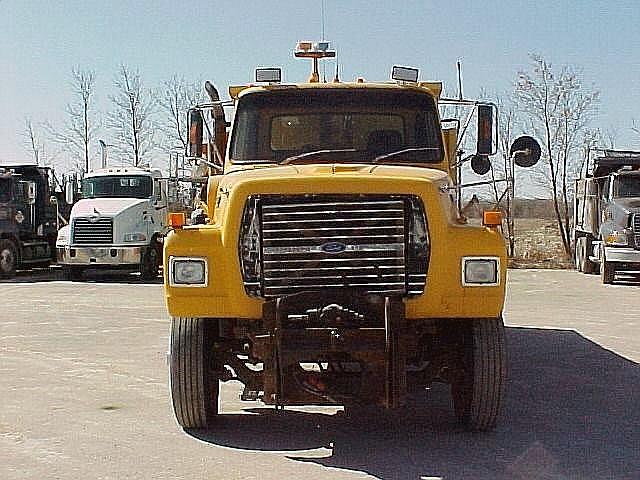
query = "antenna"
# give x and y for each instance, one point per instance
(324, 67)
(459, 152)
(460, 95)
(322, 20)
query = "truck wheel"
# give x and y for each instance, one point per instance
(477, 394)
(150, 264)
(579, 254)
(607, 271)
(588, 266)
(73, 274)
(583, 264)
(8, 258)
(194, 384)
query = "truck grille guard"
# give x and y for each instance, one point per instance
(373, 243)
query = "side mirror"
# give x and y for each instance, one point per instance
(69, 192)
(195, 122)
(484, 145)
(525, 151)
(32, 192)
(480, 164)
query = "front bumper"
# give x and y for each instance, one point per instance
(622, 255)
(101, 256)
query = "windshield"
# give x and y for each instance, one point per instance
(627, 186)
(339, 124)
(117, 186)
(5, 189)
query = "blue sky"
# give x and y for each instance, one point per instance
(41, 41)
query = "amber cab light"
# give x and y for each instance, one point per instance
(177, 220)
(491, 218)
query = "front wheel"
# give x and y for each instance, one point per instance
(8, 258)
(477, 393)
(150, 264)
(194, 381)
(607, 272)
(579, 254)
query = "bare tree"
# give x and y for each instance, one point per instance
(635, 127)
(81, 124)
(558, 109)
(591, 139)
(131, 120)
(610, 138)
(32, 141)
(174, 98)
(506, 124)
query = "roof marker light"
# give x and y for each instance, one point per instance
(304, 46)
(269, 75)
(404, 74)
(314, 51)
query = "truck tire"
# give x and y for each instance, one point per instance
(583, 264)
(194, 384)
(477, 394)
(150, 264)
(8, 258)
(588, 266)
(578, 254)
(607, 271)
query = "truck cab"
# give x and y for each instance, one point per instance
(607, 216)
(333, 267)
(28, 218)
(116, 224)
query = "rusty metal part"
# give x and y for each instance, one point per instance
(355, 365)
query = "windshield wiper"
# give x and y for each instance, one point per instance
(398, 153)
(315, 153)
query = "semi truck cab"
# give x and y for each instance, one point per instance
(607, 216)
(117, 224)
(28, 218)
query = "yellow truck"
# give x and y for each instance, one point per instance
(330, 265)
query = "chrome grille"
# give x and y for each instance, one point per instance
(636, 230)
(317, 242)
(86, 232)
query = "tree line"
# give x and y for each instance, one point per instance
(554, 104)
(559, 108)
(141, 122)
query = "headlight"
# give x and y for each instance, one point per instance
(135, 237)
(187, 272)
(480, 271)
(616, 238)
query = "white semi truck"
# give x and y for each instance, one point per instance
(118, 223)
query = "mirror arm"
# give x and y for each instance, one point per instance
(449, 188)
(206, 162)
(466, 159)
(464, 128)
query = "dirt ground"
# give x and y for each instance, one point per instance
(538, 245)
